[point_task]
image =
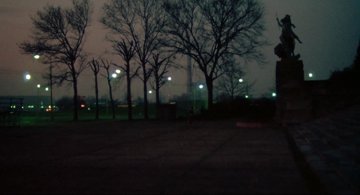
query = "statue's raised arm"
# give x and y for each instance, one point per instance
(287, 38)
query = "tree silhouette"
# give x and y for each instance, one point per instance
(349, 76)
(231, 84)
(106, 65)
(140, 21)
(160, 62)
(95, 67)
(58, 36)
(207, 30)
(126, 50)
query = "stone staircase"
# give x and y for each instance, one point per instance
(331, 147)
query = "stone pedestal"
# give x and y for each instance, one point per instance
(293, 104)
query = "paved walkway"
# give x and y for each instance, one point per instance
(331, 146)
(146, 157)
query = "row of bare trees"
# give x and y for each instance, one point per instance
(147, 34)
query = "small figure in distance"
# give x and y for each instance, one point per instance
(287, 38)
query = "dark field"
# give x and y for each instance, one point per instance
(147, 157)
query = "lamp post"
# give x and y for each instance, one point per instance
(201, 87)
(38, 86)
(169, 79)
(50, 88)
(51, 93)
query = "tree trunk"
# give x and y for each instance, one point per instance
(157, 91)
(146, 114)
(111, 99)
(96, 98)
(157, 96)
(210, 89)
(129, 101)
(75, 100)
(51, 95)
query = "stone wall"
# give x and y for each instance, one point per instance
(299, 100)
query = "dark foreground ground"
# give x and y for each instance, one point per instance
(148, 157)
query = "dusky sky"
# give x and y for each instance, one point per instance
(329, 30)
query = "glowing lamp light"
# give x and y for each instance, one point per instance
(27, 76)
(150, 91)
(241, 80)
(114, 75)
(311, 75)
(38, 86)
(247, 96)
(169, 78)
(201, 86)
(46, 88)
(118, 71)
(273, 94)
(36, 57)
(82, 105)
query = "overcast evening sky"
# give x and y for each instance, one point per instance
(329, 30)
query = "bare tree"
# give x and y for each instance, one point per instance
(58, 36)
(160, 62)
(105, 64)
(95, 67)
(206, 30)
(140, 21)
(232, 83)
(126, 50)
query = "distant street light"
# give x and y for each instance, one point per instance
(117, 71)
(241, 80)
(273, 94)
(27, 76)
(38, 86)
(150, 91)
(311, 75)
(114, 75)
(247, 96)
(36, 57)
(46, 88)
(169, 78)
(201, 86)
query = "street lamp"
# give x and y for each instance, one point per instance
(27, 76)
(150, 91)
(38, 86)
(273, 94)
(117, 71)
(201, 86)
(241, 80)
(114, 75)
(169, 78)
(311, 75)
(37, 56)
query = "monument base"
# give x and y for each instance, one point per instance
(293, 104)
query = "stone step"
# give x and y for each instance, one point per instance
(331, 145)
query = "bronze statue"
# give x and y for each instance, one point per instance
(285, 49)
